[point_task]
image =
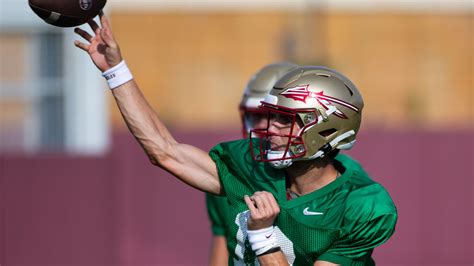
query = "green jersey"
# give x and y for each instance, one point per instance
(217, 207)
(340, 223)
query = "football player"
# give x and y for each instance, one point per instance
(292, 198)
(252, 118)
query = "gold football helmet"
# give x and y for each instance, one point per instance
(257, 87)
(324, 108)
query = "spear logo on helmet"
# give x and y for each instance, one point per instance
(301, 93)
(298, 93)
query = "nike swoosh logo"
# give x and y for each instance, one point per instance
(307, 212)
(268, 236)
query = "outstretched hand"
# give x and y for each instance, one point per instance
(263, 210)
(102, 47)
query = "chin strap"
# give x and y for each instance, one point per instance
(333, 144)
(278, 164)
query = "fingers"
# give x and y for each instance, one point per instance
(272, 203)
(266, 202)
(81, 45)
(263, 209)
(106, 35)
(94, 26)
(104, 21)
(84, 34)
(262, 204)
(105, 32)
(250, 204)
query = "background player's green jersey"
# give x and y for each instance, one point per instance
(217, 207)
(341, 222)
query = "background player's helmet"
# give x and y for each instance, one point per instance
(258, 86)
(325, 104)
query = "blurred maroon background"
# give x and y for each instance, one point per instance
(121, 210)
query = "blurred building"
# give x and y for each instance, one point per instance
(51, 96)
(411, 60)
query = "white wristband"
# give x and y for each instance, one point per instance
(118, 75)
(262, 240)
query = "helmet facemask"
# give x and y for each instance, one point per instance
(291, 145)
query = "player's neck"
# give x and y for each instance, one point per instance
(308, 176)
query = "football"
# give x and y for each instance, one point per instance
(66, 13)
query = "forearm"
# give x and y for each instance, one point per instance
(143, 121)
(275, 258)
(219, 254)
(190, 164)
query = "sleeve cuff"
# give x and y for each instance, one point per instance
(218, 231)
(335, 259)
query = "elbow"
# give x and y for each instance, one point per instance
(156, 154)
(158, 159)
(153, 160)
(162, 156)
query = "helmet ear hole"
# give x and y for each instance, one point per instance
(328, 132)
